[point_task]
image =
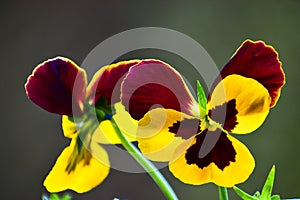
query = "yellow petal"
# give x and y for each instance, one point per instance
(155, 140)
(252, 101)
(106, 134)
(125, 122)
(236, 172)
(69, 127)
(83, 178)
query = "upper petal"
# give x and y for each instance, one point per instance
(107, 80)
(258, 61)
(83, 178)
(151, 83)
(58, 85)
(247, 104)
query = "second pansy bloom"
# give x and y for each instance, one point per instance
(197, 141)
(59, 86)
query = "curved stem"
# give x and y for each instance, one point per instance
(223, 194)
(146, 164)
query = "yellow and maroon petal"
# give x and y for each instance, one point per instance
(258, 61)
(247, 104)
(153, 83)
(228, 163)
(106, 80)
(58, 86)
(161, 131)
(83, 178)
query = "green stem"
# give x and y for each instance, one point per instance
(223, 194)
(146, 164)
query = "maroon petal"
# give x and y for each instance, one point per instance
(56, 84)
(258, 61)
(107, 82)
(151, 83)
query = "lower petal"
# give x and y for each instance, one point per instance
(83, 178)
(237, 171)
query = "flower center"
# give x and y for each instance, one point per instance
(210, 124)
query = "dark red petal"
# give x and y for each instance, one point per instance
(108, 80)
(151, 83)
(217, 149)
(258, 61)
(57, 83)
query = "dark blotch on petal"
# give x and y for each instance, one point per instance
(225, 114)
(221, 150)
(186, 128)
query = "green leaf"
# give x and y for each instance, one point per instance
(66, 197)
(243, 194)
(257, 194)
(275, 197)
(202, 101)
(71, 119)
(267, 189)
(100, 115)
(54, 197)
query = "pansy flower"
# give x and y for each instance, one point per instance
(196, 139)
(59, 86)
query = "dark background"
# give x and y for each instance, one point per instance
(32, 31)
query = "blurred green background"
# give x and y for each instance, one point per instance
(32, 31)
